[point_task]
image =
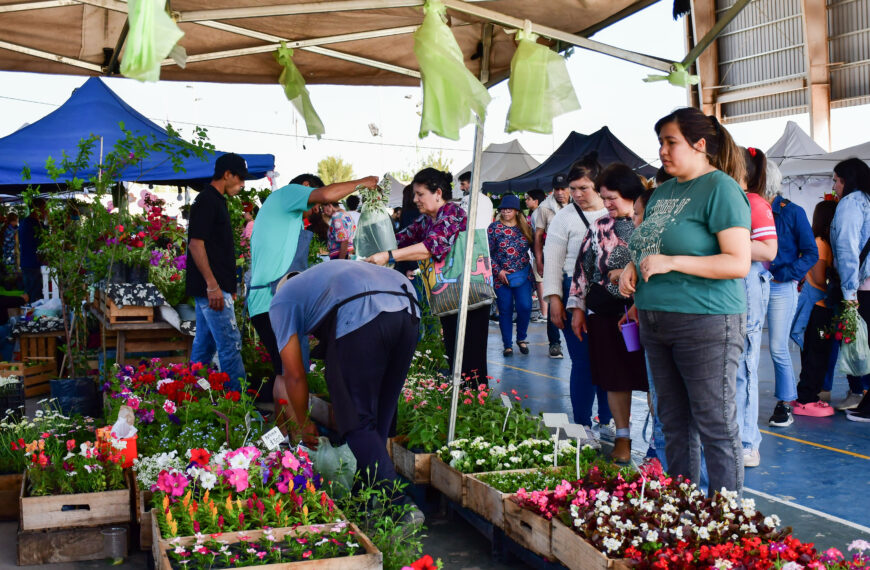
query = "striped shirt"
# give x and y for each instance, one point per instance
(763, 224)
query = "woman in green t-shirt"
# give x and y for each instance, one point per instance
(692, 250)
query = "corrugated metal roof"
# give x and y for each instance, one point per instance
(849, 51)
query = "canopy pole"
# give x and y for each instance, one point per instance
(471, 225)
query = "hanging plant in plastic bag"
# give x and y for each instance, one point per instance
(374, 232)
(152, 36)
(540, 86)
(296, 92)
(851, 331)
(450, 92)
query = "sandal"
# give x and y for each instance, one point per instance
(524, 346)
(508, 352)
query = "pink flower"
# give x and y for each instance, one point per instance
(171, 483)
(238, 478)
(169, 407)
(133, 402)
(289, 461)
(466, 401)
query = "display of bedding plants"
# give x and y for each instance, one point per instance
(478, 455)
(182, 406)
(238, 490)
(424, 412)
(61, 466)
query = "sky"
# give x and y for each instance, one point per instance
(258, 118)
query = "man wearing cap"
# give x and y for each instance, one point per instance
(277, 237)
(541, 221)
(211, 278)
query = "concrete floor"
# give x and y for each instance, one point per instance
(813, 474)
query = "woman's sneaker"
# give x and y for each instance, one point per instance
(781, 415)
(815, 409)
(555, 350)
(850, 403)
(751, 458)
(858, 416)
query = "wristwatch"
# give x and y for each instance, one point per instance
(391, 259)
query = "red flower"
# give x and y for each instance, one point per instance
(282, 402)
(200, 456)
(232, 396)
(424, 563)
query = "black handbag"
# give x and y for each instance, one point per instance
(601, 302)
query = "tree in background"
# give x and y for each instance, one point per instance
(433, 159)
(334, 169)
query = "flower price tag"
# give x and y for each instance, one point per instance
(272, 438)
(506, 402)
(577, 432)
(247, 425)
(557, 421)
(203, 383)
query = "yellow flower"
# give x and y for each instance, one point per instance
(165, 503)
(173, 527)
(186, 500)
(230, 504)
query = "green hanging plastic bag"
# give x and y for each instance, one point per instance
(539, 84)
(678, 77)
(296, 92)
(152, 36)
(451, 93)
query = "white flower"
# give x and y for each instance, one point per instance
(652, 536)
(772, 521)
(612, 544)
(721, 564)
(791, 566)
(703, 533)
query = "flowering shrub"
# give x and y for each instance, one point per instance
(478, 455)
(173, 411)
(239, 489)
(844, 326)
(334, 541)
(60, 467)
(167, 274)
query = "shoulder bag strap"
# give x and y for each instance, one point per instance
(581, 214)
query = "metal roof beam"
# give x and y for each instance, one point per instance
(50, 56)
(761, 91)
(27, 6)
(553, 33)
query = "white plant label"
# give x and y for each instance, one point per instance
(203, 383)
(272, 438)
(574, 430)
(555, 420)
(506, 401)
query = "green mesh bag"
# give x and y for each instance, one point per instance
(296, 92)
(152, 36)
(540, 87)
(450, 92)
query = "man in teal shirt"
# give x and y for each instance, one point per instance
(273, 246)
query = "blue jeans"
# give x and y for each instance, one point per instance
(583, 392)
(780, 314)
(506, 298)
(757, 285)
(693, 359)
(217, 330)
(808, 297)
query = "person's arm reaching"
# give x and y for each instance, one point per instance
(539, 251)
(339, 190)
(212, 289)
(296, 383)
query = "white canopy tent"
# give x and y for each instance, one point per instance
(796, 146)
(396, 188)
(501, 161)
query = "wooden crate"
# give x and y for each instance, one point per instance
(38, 547)
(35, 377)
(10, 487)
(528, 529)
(118, 315)
(573, 551)
(147, 341)
(89, 509)
(321, 412)
(487, 501)
(38, 344)
(142, 499)
(415, 467)
(371, 560)
(448, 480)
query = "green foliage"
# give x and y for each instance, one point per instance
(433, 159)
(334, 169)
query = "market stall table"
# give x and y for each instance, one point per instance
(154, 337)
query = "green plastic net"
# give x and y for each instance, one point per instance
(296, 92)
(540, 87)
(450, 92)
(152, 36)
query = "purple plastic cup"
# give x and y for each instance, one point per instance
(631, 336)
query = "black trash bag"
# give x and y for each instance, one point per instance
(76, 396)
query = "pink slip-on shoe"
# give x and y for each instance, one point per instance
(814, 409)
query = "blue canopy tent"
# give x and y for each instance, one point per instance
(610, 149)
(94, 109)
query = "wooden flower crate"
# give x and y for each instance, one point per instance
(415, 467)
(36, 376)
(485, 500)
(528, 529)
(39, 547)
(10, 488)
(371, 559)
(142, 501)
(70, 511)
(448, 480)
(119, 315)
(321, 412)
(573, 551)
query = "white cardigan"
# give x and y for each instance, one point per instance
(564, 238)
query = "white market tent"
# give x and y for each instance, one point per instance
(796, 146)
(501, 161)
(823, 165)
(396, 188)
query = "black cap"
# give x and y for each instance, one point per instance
(560, 181)
(232, 162)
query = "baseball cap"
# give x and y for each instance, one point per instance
(560, 181)
(232, 162)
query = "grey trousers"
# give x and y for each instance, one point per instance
(693, 359)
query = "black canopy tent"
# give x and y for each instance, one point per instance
(610, 149)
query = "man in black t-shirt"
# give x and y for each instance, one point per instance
(211, 270)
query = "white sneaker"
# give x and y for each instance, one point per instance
(751, 458)
(850, 402)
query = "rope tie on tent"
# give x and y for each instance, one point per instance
(296, 92)
(452, 95)
(539, 84)
(153, 36)
(679, 76)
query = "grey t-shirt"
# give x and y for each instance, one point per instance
(305, 300)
